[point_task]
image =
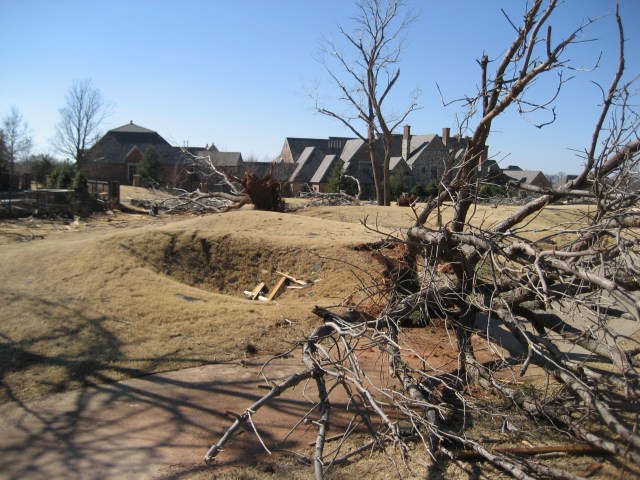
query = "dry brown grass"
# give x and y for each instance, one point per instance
(119, 296)
(97, 303)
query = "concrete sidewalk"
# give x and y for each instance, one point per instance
(136, 428)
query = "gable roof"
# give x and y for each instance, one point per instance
(301, 162)
(298, 145)
(132, 128)
(395, 162)
(324, 170)
(114, 147)
(526, 176)
(419, 141)
(415, 154)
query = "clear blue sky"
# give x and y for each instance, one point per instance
(236, 72)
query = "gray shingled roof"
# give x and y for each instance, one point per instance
(298, 145)
(523, 176)
(221, 159)
(324, 170)
(132, 128)
(351, 147)
(114, 146)
(308, 164)
(396, 161)
(414, 154)
(301, 162)
(418, 141)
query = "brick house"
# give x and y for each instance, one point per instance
(118, 154)
(428, 156)
(420, 159)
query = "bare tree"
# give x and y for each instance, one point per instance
(17, 138)
(366, 80)
(80, 119)
(552, 290)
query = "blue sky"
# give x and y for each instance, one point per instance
(237, 73)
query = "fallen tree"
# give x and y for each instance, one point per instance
(550, 291)
(263, 192)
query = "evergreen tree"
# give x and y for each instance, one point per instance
(62, 176)
(149, 167)
(335, 178)
(397, 184)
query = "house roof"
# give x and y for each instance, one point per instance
(415, 154)
(298, 145)
(324, 170)
(132, 128)
(308, 164)
(524, 176)
(395, 162)
(565, 179)
(116, 144)
(351, 147)
(418, 141)
(221, 159)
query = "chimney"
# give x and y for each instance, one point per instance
(406, 142)
(446, 132)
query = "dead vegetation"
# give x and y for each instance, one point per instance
(232, 193)
(560, 297)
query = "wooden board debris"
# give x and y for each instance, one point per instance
(293, 279)
(257, 291)
(275, 291)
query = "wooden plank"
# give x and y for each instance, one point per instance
(289, 277)
(256, 291)
(275, 291)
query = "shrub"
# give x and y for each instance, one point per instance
(62, 176)
(489, 190)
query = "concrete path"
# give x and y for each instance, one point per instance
(137, 428)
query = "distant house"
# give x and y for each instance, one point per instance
(118, 154)
(429, 156)
(564, 179)
(527, 177)
(420, 159)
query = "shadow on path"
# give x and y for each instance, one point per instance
(132, 429)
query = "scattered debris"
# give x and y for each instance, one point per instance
(255, 293)
(329, 199)
(275, 291)
(260, 290)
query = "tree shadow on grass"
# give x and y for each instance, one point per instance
(133, 428)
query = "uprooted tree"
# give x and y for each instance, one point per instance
(264, 192)
(552, 290)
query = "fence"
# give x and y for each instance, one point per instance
(55, 201)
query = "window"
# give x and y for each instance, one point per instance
(133, 170)
(434, 174)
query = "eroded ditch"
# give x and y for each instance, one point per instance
(229, 265)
